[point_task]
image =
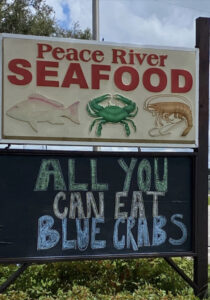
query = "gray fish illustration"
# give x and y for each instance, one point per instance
(38, 108)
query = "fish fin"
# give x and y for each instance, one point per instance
(56, 120)
(38, 97)
(72, 112)
(34, 125)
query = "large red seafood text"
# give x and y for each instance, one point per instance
(49, 73)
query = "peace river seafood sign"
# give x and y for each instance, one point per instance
(66, 91)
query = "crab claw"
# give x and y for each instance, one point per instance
(121, 98)
(107, 96)
(125, 101)
(117, 96)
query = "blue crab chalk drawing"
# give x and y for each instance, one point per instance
(112, 113)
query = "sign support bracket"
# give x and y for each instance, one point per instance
(13, 277)
(170, 261)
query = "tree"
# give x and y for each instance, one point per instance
(35, 17)
(75, 32)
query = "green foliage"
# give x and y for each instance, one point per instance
(75, 32)
(35, 17)
(27, 17)
(142, 279)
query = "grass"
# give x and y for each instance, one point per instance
(208, 200)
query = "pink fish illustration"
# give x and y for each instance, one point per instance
(38, 108)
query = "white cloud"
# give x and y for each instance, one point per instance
(145, 22)
(81, 11)
(148, 22)
(58, 8)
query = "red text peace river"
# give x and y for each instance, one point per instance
(86, 55)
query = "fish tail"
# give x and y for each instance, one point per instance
(72, 112)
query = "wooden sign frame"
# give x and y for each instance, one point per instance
(143, 208)
(201, 189)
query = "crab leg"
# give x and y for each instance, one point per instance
(98, 132)
(93, 123)
(134, 126)
(127, 129)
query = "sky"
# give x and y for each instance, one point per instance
(143, 22)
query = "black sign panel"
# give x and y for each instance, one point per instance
(83, 205)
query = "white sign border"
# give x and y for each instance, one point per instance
(97, 143)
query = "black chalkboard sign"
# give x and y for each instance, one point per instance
(94, 205)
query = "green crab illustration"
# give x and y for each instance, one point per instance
(112, 113)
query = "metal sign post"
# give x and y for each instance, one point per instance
(201, 188)
(95, 19)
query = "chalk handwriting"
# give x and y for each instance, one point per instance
(47, 237)
(76, 205)
(50, 168)
(79, 206)
(183, 229)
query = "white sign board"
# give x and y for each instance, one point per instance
(62, 91)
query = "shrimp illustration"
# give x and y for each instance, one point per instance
(169, 113)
